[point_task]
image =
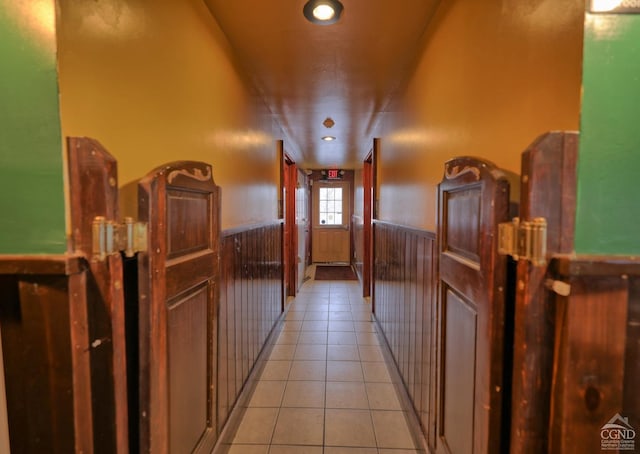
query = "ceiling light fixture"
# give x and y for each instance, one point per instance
(328, 138)
(323, 12)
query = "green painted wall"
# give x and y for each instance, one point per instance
(32, 206)
(608, 210)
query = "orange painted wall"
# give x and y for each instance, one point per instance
(155, 81)
(491, 77)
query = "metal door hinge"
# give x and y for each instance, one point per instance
(111, 236)
(524, 240)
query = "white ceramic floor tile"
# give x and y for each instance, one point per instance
(304, 394)
(349, 428)
(347, 395)
(280, 449)
(392, 430)
(282, 352)
(310, 352)
(325, 388)
(342, 338)
(268, 394)
(299, 426)
(343, 353)
(312, 337)
(376, 372)
(308, 370)
(257, 426)
(370, 353)
(249, 449)
(345, 450)
(276, 370)
(383, 396)
(344, 371)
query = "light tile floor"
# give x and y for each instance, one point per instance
(325, 387)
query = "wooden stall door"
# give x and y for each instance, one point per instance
(548, 190)
(367, 260)
(290, 241)
(473, 200)
(93, 191)
(180, 203)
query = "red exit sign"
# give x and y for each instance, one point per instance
(333, 174)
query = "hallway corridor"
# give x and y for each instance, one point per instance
(325, 387)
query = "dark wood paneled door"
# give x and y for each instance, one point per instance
(473, 200)
(548, 190)
(93, 191)
(367, 256)
(177, 307)
(290, 240)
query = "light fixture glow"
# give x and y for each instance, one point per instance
(323, 12)
(601, 6)
(328, 138)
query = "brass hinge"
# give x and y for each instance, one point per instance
(524, 240)
(111, 236)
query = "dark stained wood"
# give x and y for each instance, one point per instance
(404, 293)
(631, 397)
(367, 236)
(45, 343)
(93, 191)
(290, 240)
(591, 265)
(548, 189)
(587, 387)
(473, 200)
(251, 302)
(84, 420)
(595, 374)
(178, 281)
(93, 183)
(460, 318)
(226, 322)
(42, 264)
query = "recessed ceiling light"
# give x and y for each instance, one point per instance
(328, 138)
(323, 12)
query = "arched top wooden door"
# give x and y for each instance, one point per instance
(178, 298)
(473, 199)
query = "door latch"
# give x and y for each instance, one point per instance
(524, 240)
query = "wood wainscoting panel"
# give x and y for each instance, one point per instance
(473, 199)
(46, 354)
(178, 292)
(403, 294)
(251, 302)
(631, 398)
(595, 363)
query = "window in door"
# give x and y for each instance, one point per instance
(330, 206)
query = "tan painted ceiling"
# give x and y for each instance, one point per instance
(347, 71)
